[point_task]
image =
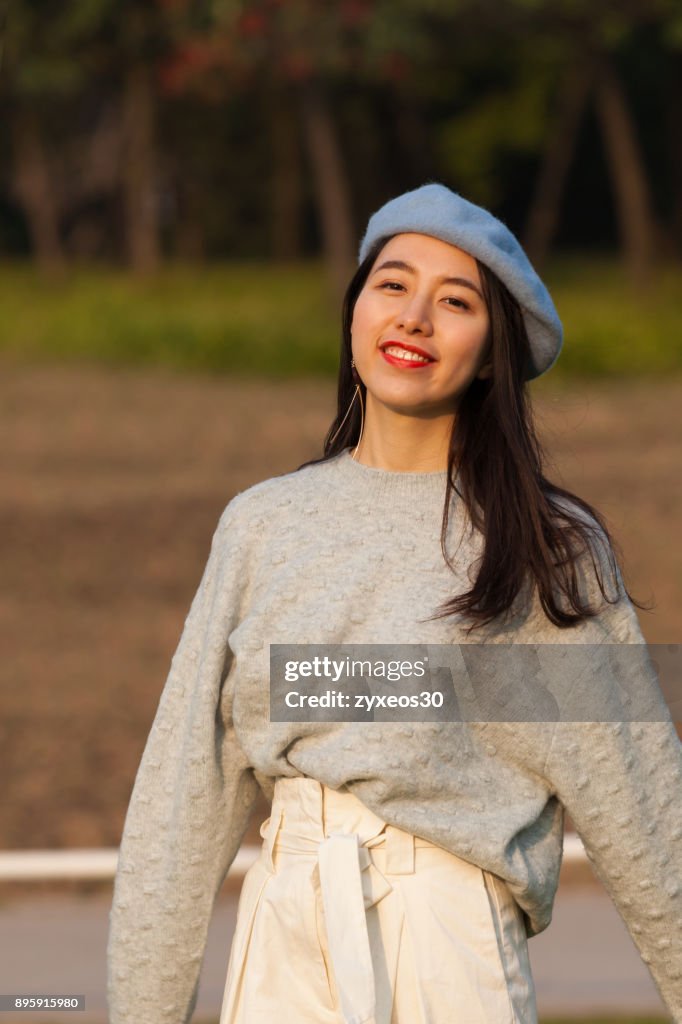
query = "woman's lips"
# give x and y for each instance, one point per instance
(408, 363)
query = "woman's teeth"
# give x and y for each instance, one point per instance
(402, 353)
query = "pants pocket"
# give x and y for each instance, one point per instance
(450, 954)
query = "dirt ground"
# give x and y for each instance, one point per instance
(112, 484)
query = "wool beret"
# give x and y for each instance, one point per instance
(437, 211)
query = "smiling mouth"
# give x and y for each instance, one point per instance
(395, 353)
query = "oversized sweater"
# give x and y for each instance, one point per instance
(343, 553)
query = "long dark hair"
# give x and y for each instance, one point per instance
(533, 530)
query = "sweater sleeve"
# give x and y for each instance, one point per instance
(189, 809)
(621, 783)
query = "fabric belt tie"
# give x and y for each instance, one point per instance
(350, 883)
(344, 913)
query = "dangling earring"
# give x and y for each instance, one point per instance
(356, 378)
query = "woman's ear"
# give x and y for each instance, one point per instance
(486, 371)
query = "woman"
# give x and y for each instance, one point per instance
(405, 863)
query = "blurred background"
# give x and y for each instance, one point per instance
(183, 187)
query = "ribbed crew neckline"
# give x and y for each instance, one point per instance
(387, 483)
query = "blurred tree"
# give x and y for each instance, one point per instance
(133, 37)
(57, 59)
(287, 177)
(33, 188)
(628, 173)
(139, 42)
(672, 36)
(674, 121)
(560, 142)
(520, 86)
(288, 54)
(586, 39)
(38, 76)
(220, 125)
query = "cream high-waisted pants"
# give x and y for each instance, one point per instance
(347, 920)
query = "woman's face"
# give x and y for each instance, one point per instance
(423, 297)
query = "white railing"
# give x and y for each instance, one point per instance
(41, 865)
(45, 865)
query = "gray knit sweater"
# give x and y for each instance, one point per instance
(337, 553)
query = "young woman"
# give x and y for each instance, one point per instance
(405, 863)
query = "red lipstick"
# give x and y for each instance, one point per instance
(406, 363)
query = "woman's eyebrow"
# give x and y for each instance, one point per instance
(402, 265)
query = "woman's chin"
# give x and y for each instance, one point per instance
(412, 404)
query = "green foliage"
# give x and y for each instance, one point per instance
(472, 143)
(42, 41)
(673, 23)
(279, 321)
(463, 91)
(241, 318)
(611, 329)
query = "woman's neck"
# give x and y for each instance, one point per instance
(404, 443)
(401, 459)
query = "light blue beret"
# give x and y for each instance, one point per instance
(437, 211)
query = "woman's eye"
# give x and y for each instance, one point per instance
(392, 285)
(457, 303)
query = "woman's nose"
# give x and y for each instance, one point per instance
(414, 317)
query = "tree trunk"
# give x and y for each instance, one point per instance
(190, 236)
(287, 191)
(413, 135)
(33, 187)
(331, 186)
(674, 131)
(627, 173)
(139, 172)
(556, 160)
